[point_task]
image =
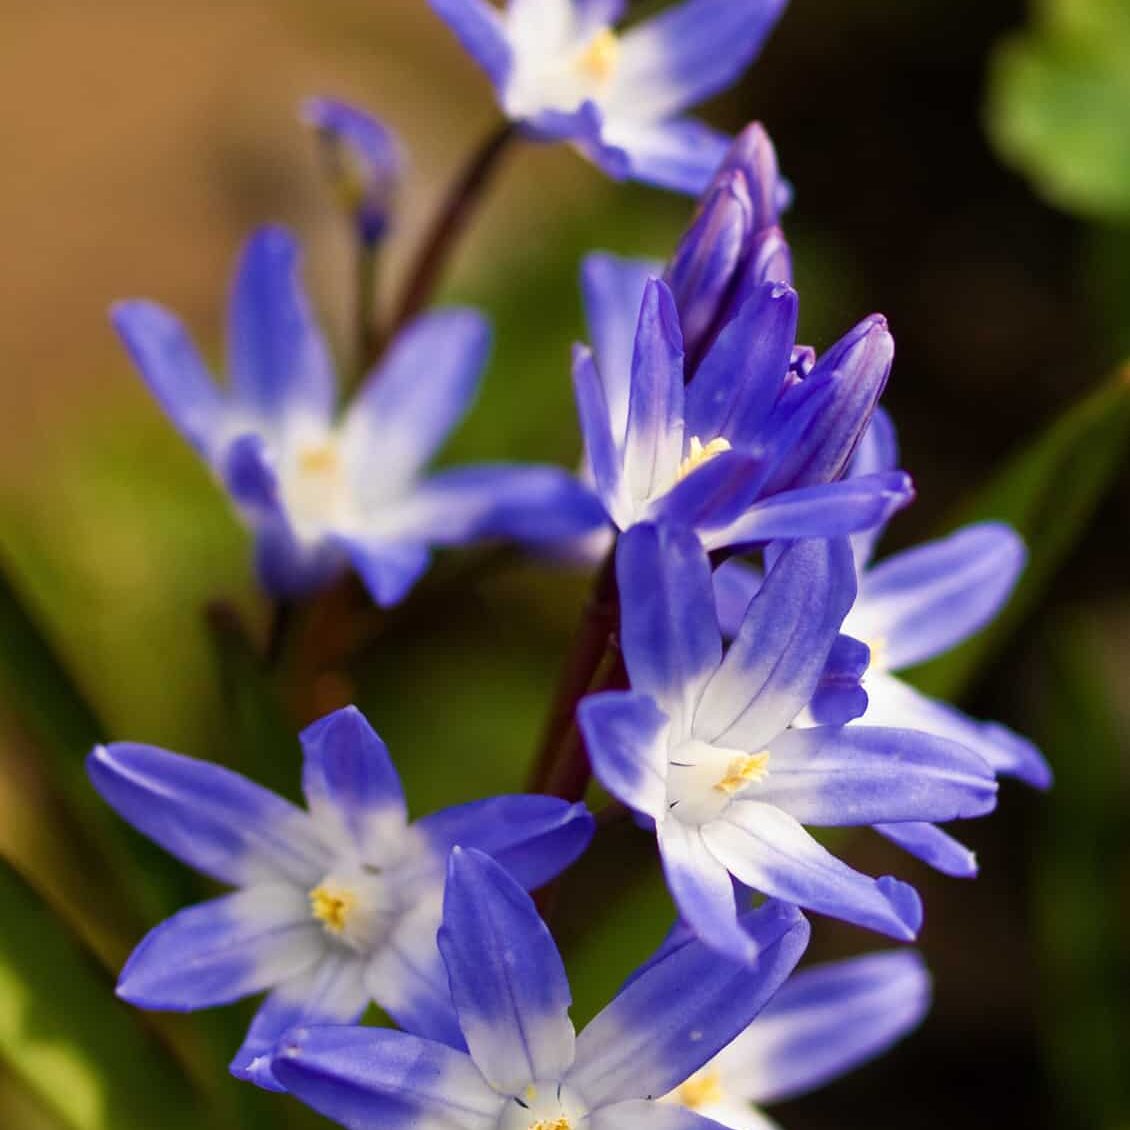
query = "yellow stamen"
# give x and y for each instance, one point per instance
(744, 771)
(700, 454)
(599, 58)
(551, 1124)
(332, 906)
(878, 649)
(319, 459)
(701, 1090)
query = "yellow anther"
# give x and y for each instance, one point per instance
(699, 454)
(599, 58)
(530, 1093)
(744, 771)
(878, 649)
(561, 1123)
(332, 906)
(319, 459)
(702, 1089)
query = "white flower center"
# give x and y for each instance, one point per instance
(354, 906)
(314, 487)
(563, 78)
(702, 778)
(545, 1105)
(598, 60)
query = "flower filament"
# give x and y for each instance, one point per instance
(742, 771)
(698, 454)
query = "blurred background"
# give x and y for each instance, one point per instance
(962, 166)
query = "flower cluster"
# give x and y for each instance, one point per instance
(733, 688)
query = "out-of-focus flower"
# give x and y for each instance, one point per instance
(910, 608)
(337, 905)
(363, 161)
(697, 406)
(526, 1067)
(320, 493)
(825, 1021)
(702, 743)
(563, 73)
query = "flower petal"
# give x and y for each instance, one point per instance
(173, 370)
(654, 443)
(279, 362)
(479, 28)
(850, 775)
(669, 632)
(332, 991)
(775, 663)
(926, 600)
(771, 852)
(351, 786)
(702, 889)
(376, 1079)
(216, 952)
(613, 288)
(933, 846)
(209, 817)
(693, 50)
(533, 838)
(507, 979)
(625, 734)
(602, 453)
(878, 452)
(411, 402)
(389, 568)
(647, 1114)
(825, 1021)
(679, 154)
(674, 1017)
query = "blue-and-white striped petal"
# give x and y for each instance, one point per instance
(625, 734)
(933, 846)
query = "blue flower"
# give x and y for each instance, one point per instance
(702, 743)
(320, 493)
(365, 162)
(825, 1021)
(562, 72)
(696, 404)
(526, 1069)
(337, 905)
(911, 607)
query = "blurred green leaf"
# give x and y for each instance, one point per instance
(66, 1036)
(1082, 874)
(1059, 104)
(1048, 493)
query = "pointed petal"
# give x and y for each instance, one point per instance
(679, 154)
(172, 368)
(478, 26)
(693, 50)
(351, 786)
(928, 599)
(669, 632)
(739, 379)
(702, 889)
(376, 1079)
(507, 979)
(216, 952)
(891, 702)
(533, 838)
(715, 495)
(829, 510)
(601, 450)
(826, 1021)
(332, 991)
(878, 452)
(626, 737)
(613, 293)
(671, 1019)
(654, 442)
(769, 851)
(776, 661)
(933, 846)
(411, 402)
(279, 363)
(389, 569)
(527, 503)
(849, 775)
(646, 1114)
(209, 817)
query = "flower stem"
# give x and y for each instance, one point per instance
(453, 217)
(561, 764)
(368, 328)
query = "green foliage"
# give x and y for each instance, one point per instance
(1059, 105)
(1048, 491)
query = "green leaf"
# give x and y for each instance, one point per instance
(1059, 105)
(1081, 869)
(1048, 492)
(62, 1032)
